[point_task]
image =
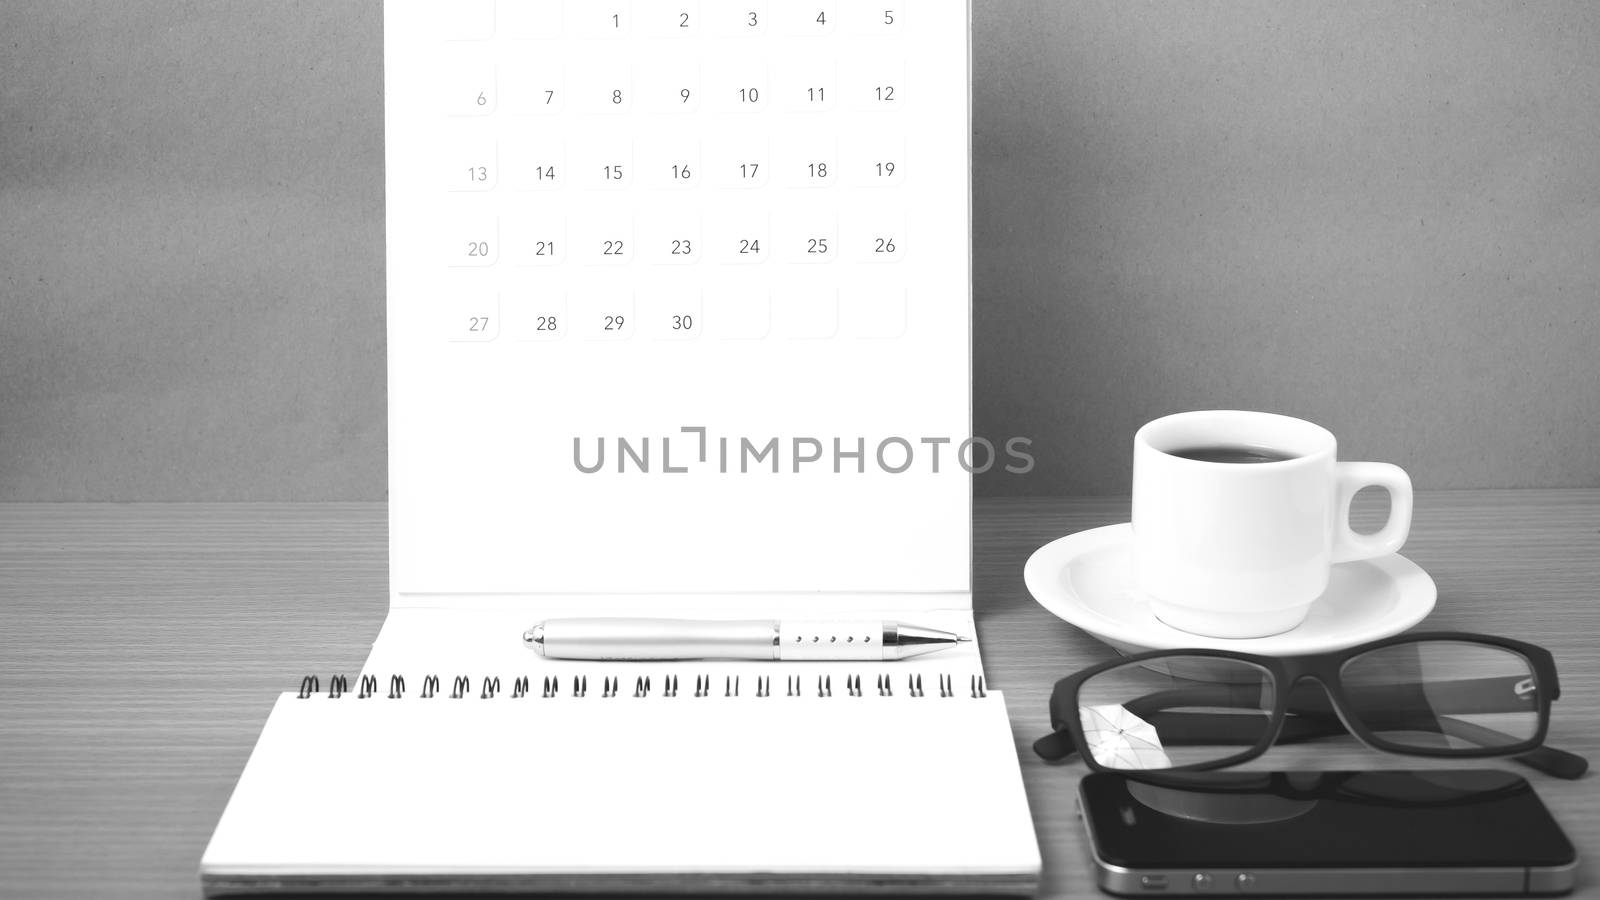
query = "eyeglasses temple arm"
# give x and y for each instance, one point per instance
(1179, 729)
(1548, 760)
(1461, 697)
(1552, 761)
(1508, 693)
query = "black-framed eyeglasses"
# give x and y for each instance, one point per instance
(1443, 694)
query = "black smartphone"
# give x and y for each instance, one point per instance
(1447, 831)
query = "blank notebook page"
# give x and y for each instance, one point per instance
(543, 789)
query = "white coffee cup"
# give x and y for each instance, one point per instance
(1242, 549)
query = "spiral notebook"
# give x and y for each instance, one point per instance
(854, 791)
(678, 314)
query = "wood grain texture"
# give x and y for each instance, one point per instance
(143, 644)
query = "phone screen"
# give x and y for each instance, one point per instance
(1377, 819)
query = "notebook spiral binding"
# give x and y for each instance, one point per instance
(611, 686)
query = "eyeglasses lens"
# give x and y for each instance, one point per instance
(1175, 711)
(1444, 695)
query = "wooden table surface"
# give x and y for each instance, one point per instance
(143, 644)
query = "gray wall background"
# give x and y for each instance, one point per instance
(1384, 217)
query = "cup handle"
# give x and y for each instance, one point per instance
(1350, 545)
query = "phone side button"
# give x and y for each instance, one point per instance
(1245, 882)
(1201, 881)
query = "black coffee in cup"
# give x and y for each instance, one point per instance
(1232, 453)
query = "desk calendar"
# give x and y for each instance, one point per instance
(678, 327)
(706, 229)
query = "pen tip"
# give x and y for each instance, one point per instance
(963, 639)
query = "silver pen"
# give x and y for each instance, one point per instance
(770, 639)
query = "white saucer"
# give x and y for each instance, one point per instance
(1086, 579)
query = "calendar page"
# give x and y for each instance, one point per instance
(678, 296)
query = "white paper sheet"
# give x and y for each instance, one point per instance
(922, 787)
